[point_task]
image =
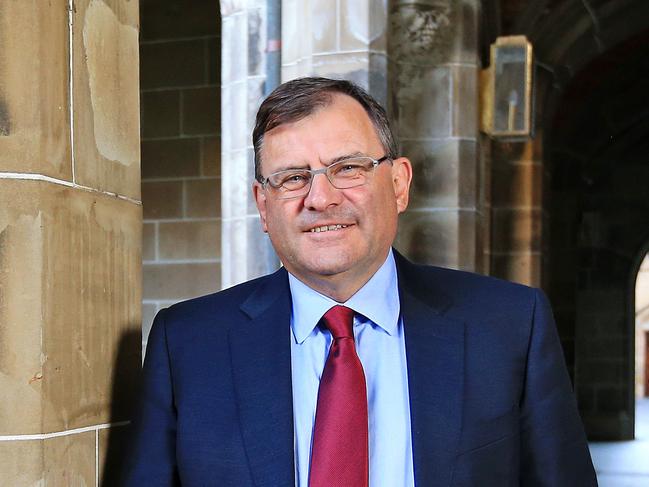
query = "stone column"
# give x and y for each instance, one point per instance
(336, 39)
(517, 244)
(70, 237)
(434, 101)
(246, 251)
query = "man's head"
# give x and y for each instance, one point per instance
(299, 98)
(312, 123)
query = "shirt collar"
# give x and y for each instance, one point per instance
(377, 300)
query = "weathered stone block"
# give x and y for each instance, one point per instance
(34, 99)
(378, 78)
(296, 70)
(149, 241)
(422, 106)
(21, 462)
(257, 43)
(465, 110)
(201, 110)
(106, 109)
(522, 268)
(162, 199)
(161, 113)
(261, 255)
(248, 253)
(444, 173)
(353, 66)
(190, 240)
(171, 158)
(180, 281)
(518, 184)
(172, 64)
(235, 29)
(164, 19)
(59, 462)
(233, 263)
(236, 181)
(516, 229)
(68, 308)
(234, 112)
(363, 25)
(322, 26)
(70, 460)
(294, 15)
(211, 157)
(444, 238)
(203, 197)
(255, 95)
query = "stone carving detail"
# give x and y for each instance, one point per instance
(420, 30)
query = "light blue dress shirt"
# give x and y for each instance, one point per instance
(381, 348)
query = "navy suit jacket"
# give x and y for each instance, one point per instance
(491, 402)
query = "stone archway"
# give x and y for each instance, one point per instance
(582, 214)
(598, 219)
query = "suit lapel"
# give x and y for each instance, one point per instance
(435, 355)
(261, 368)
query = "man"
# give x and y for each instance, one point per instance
(351, 366)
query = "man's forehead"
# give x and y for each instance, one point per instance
(342, 125)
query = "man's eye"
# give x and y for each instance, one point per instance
(294, 179)
(348, 168)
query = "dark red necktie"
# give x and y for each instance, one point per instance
(339, 457)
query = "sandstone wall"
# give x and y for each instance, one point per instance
(70, 237)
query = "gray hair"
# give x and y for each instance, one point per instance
(297, 99)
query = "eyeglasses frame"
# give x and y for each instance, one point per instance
(314, 172)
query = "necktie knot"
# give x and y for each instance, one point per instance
(339, 320)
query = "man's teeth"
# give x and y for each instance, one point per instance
(326, 228)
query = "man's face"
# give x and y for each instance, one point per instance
(367, 213)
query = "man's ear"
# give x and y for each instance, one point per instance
(260, 200)
(401, 179)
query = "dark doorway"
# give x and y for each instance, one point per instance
(596, 150)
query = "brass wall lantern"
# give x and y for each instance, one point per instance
(507, 90)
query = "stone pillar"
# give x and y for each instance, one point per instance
(245, 250)
(70, 237)
(336, 39)
(434, 101)
(518, 213)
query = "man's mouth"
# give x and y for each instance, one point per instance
(328, 228)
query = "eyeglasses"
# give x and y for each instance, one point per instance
(345, 174)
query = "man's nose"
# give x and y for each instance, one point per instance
(321, 194)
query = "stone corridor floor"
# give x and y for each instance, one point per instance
(625, 463)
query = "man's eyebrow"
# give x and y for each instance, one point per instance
(346, 156)
(292, 167)
(298, 166)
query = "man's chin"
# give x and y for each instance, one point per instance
(326, 266)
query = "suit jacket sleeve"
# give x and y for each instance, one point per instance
(554, 450)
(153, 443)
